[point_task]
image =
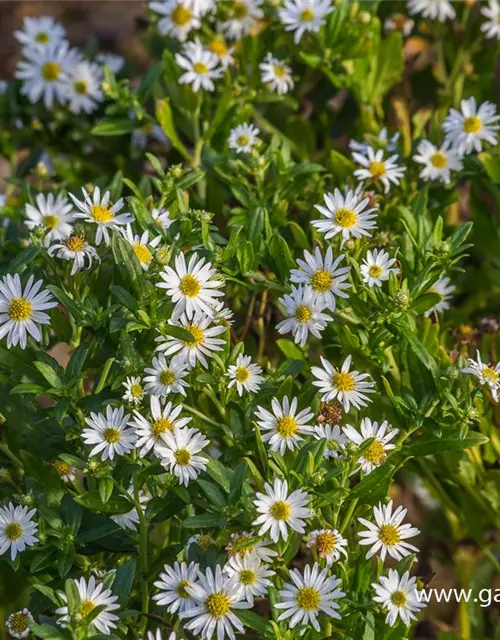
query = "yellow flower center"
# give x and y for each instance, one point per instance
(167, 377)
(490, 374)
(389, 535)
(286, 426)
(51, 71)
(112, 435)
(218, 605)
(279, 71)
(50, 222)
(62, 468)
(136, 391)
(13, 531)
(42, 38)
(321, 281)
(81, 87)
(182, 457)
(377, 169)
(280, 510)
(439, 160)
(180, 16)
(243, 141)
(325, 542)
(20, 309)
(242, 374)
(86, 607)
(307, 15)
(142, 253)
(240, 10)
(375, 453)
(472, 124)
(75, 243)
(399, 599)
(346, 218)
(308, 598)
(198, 335)
(200, 68)
(100, 213)
(343, 381)
(218, 47)
(375, 271)
(181, 589)
(190, 286)
(248, 577)
(204, 542)
(160, 426)
(18, 622)
(303, 314)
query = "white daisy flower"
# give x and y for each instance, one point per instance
(245, 375)
(377, 267)
(201, 7)
(375, 168)
(152, 433)
(438, 163)
(192, 286)
(243, 138)
(203, 344)
(3, 198)
(201, 67)
(491, 26)
(66, 472)
(243, 17)
(467, 129)
(75, 248)
(441, 10)
(222, 51)
(329, 544)
(283, 427)
(387, 535)
(335, 439)
(323, 276)
(242, 543)
(130, 520)
(83, 87)
(166, 377)
(250, 575)
(348, 387)
(215, 597)
(22, 311)
(134, 391)
(304, 313)
(304, 15)
(162, 218)
(101, 212)
(40, 32)
(279, 510)
(223, 315)
(376, 454)
(399, 22)
(485, 373)
(17, 529)
(53, 214)
(92, 595)
(445, 289)
(18, 623)
(109, 433)
(276, 74)
(177, 18)
(384, 141)
(44, 72)
(112, 60)
(310, 594)
(174, 584)
(3, 88)
(347, 215)
(141, 245)
(158, 635)
(178, 453)
(399, 596)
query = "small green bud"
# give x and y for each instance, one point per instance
(318, 478)
(402, 300)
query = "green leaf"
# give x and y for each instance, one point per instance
(76, 362)
(204, 521)
(281, 257)
(46, 631)
(254, 621)
(114, 127)
(49, 374)
(22, 260)
(165, 118)
(245, 256)
(214, 494)
(124, 297)
(386, 68)
(105, 489)
(432, 444)
(114, 505)
(374, 484)
(178, 332)
(124, 579)
(219, 473)
(126, 260)
(66, 301)
(290, 349)
(237, 480)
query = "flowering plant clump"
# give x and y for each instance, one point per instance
(249, 324)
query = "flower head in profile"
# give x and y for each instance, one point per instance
(17, 529)
(201, 67)
(487, 374)
(75, 248)
(243, 138)
(348, 387)
(399, 596)
(445, 290)
(245, 375)
(18, 623)
(301, 16)
(243, 542)
(166, 377)
(176, 18)
(280, 510)
(109, 433)
(440, 10)
(54, 215)
(39, 32)
(304, 314)
(173, 585)
(249, 574)
(179, 451)
(130, 519)
(162, 218)
(65, 471)
(376, 454)
(375, 168)
(243, 16)
(351, 216)
(438, 163)
(276, 74)
(283, 428)
(468, 129)
(328, 544)
(377, 267)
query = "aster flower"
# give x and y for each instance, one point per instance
(276, 74)
(399, 596)
(300, 16)
(283, 427)
(280, 510)
(377, 267)
(222, 51)
(399, 22)
(311, 594)
(243, 16)
(83, 84)
(65, 471)
(491, 26)
(166, 377)
(112, 60)
(440, 10)
(177, 18)
(18, 623)
(109, 433)
(250, 575)
(39, 32)
(242, 543)
(134, 391)
(201, 67)
(130, 519)
(438, 162)
(387, 535)
(173, 584)
(383, 141)
(335, 439)
(22, 311)
(141, 246)
(445, 289)
(466, 130)
(178, 453)
(304, 311)
(348, 387)
(376, 454)
(243, 138)
(328, 544)
(17, 529)
(162, 218)
(323, 276)
(347, 215)
(375, 168)
(75, 248)
(487, 374)
(245, 375)
(52, 214)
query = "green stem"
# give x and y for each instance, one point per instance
(348, 515)
(104, 375)
(5, 449)
(201, 415)
(143, 559)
